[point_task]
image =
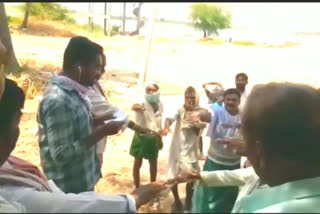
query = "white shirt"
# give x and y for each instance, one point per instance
(59, 202)
(10, 207)
(237, 177)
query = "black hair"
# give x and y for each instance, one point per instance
(101, 51)
(232, 91)
(12, 102)
(80, 50)
(244, 75)
(285, 118)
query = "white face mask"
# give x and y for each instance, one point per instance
(152, 98)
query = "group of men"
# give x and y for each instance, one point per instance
(69, 132)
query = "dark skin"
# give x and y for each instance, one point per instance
(99, 120)
(153, 164)
(241, 83)
(231, 102)
(87, 75)
(203, 116)
(271, 164)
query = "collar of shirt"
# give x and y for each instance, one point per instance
(70, 85)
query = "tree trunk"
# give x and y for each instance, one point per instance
(204, 33)
(10, 61)
(26, 16)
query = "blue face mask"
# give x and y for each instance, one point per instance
(152, 98)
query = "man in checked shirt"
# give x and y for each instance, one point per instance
(67, 138)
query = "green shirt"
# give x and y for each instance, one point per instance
(298, 196)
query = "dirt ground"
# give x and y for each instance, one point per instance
(173, 63)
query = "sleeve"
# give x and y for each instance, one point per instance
(60, 129)
(237, 177)
(213, 123)
(58, 202)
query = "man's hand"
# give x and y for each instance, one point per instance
(185, 177)
(236, 144)
(205, 116)
(112, 127)
(138, 107)
(165, 131)
(145, 193)
(99, 120)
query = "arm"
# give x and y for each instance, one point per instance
(219, 178)
(60, 129)
(138, 107)
(86, 202)
(57, 202)
(237, 177)
(135, 127)
(98, 120)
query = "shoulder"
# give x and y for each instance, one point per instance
(54, 97)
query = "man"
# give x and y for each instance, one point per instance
(241, 82)
(67, 138)
(225, 124)
(23, 183)
(190, 120)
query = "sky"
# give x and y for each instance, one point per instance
(290, 16)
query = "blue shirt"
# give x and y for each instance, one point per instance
(223, 125)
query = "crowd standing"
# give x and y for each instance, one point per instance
(262, 156)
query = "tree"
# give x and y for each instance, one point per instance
(26, 15)
(10, 61)
(209, 18)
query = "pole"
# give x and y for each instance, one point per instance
(109, 20)
(142, 76)
(124, 18)
(105, 19)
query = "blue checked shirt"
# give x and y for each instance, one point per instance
(64, 121)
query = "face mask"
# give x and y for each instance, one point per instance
(152, 98)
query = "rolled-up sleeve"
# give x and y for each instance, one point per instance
(59, 202)
(58, 119)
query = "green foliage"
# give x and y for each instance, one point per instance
(209, 18)
(50, 11)
(14, 21)
(115, 29)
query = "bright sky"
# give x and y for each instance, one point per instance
(291, 16)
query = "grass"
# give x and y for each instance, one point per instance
(286, 44)
(245, 43)
(211, 41)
